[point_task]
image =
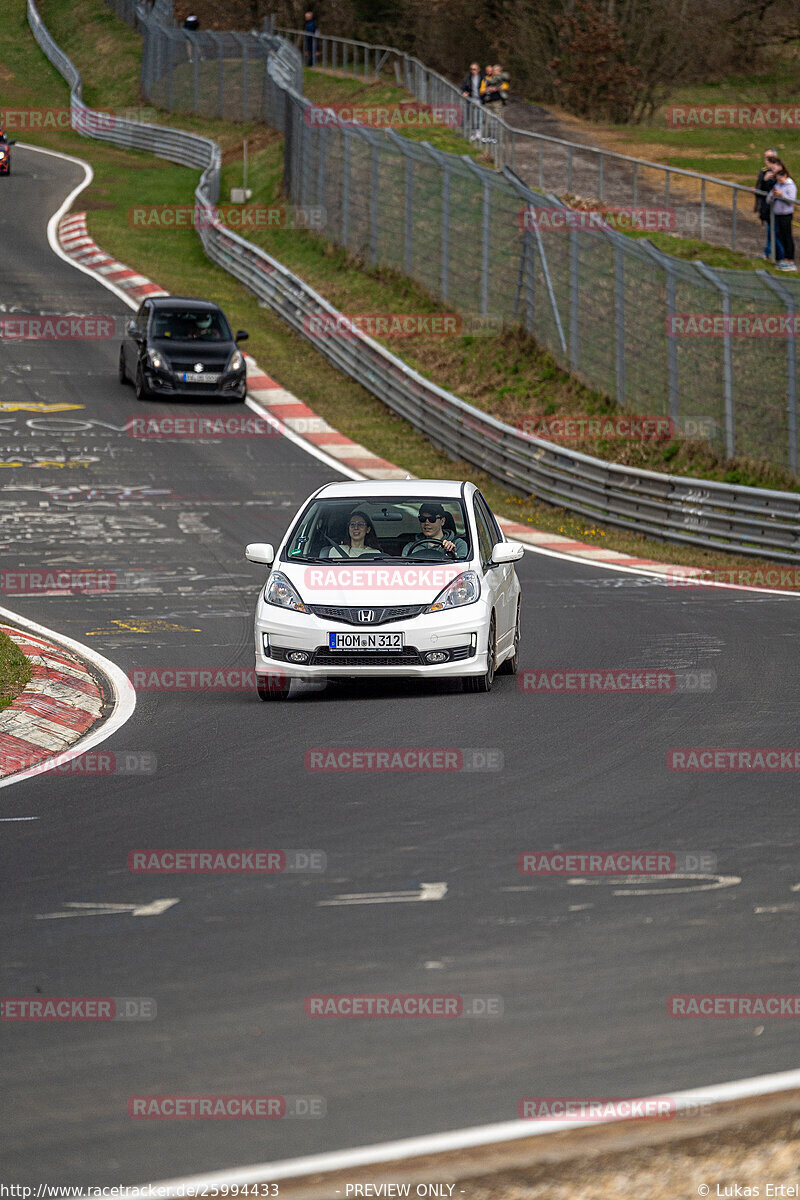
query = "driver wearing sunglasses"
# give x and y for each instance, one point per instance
(432, 519)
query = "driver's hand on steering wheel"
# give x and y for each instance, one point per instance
(449, 546)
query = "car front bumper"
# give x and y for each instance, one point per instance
(462, 635)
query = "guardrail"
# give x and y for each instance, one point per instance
(699, 512)
(571, 166)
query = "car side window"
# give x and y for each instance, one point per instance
(486, 538)
(142, 317)
(483, 507)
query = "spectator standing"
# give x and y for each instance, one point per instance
(782, 197)
(764, 183)
(310, 29)
(471, 84)
(501, 82)
(486, 84)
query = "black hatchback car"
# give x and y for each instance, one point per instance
(5, 153)
(177, 346)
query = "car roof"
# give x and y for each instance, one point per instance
(403, 489)
(184, 301)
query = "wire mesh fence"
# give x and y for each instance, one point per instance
(713, 350)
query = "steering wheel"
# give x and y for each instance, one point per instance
(436, 542)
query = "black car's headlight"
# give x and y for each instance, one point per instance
(158, 361)
(235, 362)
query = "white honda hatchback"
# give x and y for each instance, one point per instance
(388, 578)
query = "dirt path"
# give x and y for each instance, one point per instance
(546, 166)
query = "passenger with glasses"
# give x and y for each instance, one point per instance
(361, 539)
(432, 521)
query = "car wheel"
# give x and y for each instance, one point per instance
(123, 374)
(510, 665)
(140, 386)
(483, 683)
(269, 687)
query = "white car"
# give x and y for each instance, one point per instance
(399, 578)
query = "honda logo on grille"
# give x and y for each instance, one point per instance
(366, 614)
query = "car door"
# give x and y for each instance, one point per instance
(500, 576)
(492, 576)
(134, 349)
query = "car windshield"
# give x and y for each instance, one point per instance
(336, 530)
(190, 324)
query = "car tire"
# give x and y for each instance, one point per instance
(123, 374)
(483, 683)
(269, 689)
(140, 386)
(510, 665)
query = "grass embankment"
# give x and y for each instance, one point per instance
(15, 671)
(507, 374)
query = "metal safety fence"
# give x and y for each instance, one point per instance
(705, 206)
(627, 319)
(700, 512)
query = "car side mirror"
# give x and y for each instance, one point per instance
(132, 330)
(506, 552)
(241, 336)
(260, 552)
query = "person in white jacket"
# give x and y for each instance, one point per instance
(782, 198)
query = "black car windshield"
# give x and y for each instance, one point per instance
(375, 528)
(190, 324)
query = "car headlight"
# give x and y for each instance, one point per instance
(236, 361)
(2, 153)
(280, 592)
(464, 589)
(158, 361)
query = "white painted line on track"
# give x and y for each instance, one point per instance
(52, 224)
(461, 1139)
(309, 447)
(124, 697)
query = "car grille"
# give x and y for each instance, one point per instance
(323, 657)
(407, 657)
(381, 615)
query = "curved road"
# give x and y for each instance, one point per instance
(584, 972)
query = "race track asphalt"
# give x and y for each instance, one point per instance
(584, 969)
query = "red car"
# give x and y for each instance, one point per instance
(5, 154)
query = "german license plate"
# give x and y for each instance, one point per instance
(365, 641)
(194, 377)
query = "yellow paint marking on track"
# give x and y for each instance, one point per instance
(144, 626)
(35, 406)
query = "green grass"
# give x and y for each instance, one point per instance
(15, 671)
(506, 373)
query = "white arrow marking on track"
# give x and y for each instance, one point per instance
(81, 909)
(717, 881)
(427, 891)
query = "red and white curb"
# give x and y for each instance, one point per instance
(75, 241)
(57, 708)
(303, 425)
